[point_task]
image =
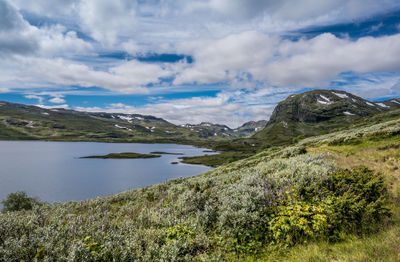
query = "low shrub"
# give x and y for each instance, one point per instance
(19, 201)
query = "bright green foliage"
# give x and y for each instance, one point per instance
(299, 222)
(178, 232)
(96, 250)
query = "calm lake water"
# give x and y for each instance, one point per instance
(53, 171)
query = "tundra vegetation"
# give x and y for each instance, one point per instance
(331, 197)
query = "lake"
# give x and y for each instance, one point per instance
(53, 171)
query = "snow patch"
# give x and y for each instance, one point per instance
(395, 101)
(45, 113)
(354, 100)
(348, 113)
(370, 104)
(340, 95)
(126, 118)
(325, 98)
(30, 124)
(323, 102)
(122, 127)
(383, 105)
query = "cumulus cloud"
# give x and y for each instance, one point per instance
(17, 36)
(223, 59)
(39, 98)
(53, 8)
(106, 20)
(57, 99)
(128, 77)
(308, 62)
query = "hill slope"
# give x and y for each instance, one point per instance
(30, 122)
(317, 112)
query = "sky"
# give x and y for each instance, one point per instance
(192, 61)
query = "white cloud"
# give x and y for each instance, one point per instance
(225, 58)
(39, 98)
(308, 62)
(53, 8)
(57, 99)
(106, 20)
(17, 36)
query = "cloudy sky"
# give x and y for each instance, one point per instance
(188, 61)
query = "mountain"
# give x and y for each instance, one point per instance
(19, 121)
(251, 127)
(207, 129)
(317, 112)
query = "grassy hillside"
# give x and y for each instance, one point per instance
(21, 122)
(317, 112)
(307, 202)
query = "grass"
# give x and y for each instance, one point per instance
(126, 155)
(215, 159)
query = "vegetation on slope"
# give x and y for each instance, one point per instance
(267, 207)
(30, 122)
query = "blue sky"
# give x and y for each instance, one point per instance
(189, 61)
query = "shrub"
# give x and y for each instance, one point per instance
(18, 201)
(178, 232)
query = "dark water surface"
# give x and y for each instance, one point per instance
(53, 171)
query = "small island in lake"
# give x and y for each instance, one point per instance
(126, 155)
(166, 153)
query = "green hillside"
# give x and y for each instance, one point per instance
(299, 116)
(317, 112)
(333, 197)
(22, 122)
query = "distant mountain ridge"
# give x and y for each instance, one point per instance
(18, 121)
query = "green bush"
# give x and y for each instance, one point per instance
(19, 201)
(178, 232)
